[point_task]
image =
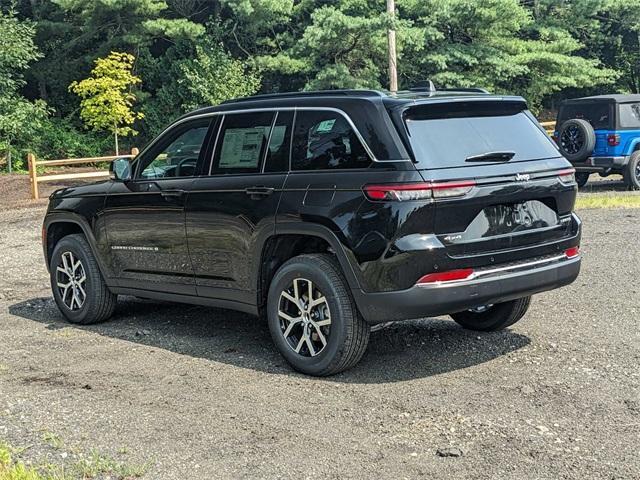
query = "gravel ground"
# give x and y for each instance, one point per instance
(196, 392)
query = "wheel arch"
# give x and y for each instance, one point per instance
(290, 241)
(60, 225)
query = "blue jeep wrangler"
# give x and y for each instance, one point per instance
(601, 134)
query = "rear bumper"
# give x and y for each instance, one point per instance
(599, 164)
(496, 285)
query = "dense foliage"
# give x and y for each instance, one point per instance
(190, 53)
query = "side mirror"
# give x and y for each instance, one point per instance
(120, 169)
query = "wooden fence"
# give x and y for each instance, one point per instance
(549, 127)
(35, 179)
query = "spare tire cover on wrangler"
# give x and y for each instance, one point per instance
(576, 139)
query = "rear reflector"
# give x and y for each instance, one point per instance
(402, 192)
(449, 276)
(572, 252)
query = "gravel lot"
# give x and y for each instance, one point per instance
(196, 392)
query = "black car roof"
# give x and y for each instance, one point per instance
(344, 98)
(368, 109)
(613, 98)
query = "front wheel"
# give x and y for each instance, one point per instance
(489, 318)
(312, 316)
(77, 284)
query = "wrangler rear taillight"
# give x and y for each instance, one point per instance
(613, 139)
(402, 192)
(448, 276)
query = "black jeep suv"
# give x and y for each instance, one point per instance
(327, 212)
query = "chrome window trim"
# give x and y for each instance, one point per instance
(274, 109)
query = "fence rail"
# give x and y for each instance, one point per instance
(549, 127)
(36, 179)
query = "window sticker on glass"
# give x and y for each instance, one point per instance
(325, 126)
(241, 147)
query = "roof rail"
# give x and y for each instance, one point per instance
(311, 93)
(470, 89)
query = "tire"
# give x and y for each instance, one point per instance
(582, 178)
(576, 139)
(345, 336)
(632, 171)
(496, 317)
(98, 303)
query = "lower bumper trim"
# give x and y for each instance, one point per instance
(449, 297)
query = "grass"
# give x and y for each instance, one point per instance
(95, 465)
(613, 200)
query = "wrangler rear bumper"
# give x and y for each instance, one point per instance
(490, 286)
(599, 164)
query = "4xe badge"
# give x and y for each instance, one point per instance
(522, 177)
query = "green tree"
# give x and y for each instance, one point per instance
(191, 76)
(19, 118)
(107, 99)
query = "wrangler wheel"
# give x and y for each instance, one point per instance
(312, 317)
(632, 173)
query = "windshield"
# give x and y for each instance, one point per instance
(598, 114)
(448, 135)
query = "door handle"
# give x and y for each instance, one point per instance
(256, 193)
(172, 193)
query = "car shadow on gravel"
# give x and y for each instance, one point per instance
(397, 352)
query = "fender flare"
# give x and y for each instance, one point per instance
(317, 230)
(633, 146)
(70, 217)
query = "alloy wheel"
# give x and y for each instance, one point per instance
(305, 319)
(70, 280)
(572, 139)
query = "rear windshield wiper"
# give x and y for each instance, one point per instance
(491, 157)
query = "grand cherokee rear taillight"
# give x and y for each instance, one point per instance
(402, 192)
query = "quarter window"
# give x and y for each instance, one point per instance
(630, 115)
(177, 155)
(242, 142)
(325, 140)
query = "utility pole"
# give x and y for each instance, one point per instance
(391, 37)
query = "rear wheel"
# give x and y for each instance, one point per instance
(632, 172)
(489, 318)
(312, 317)
(582, 178)
(77, 284)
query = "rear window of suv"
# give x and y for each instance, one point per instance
(598, 114)
(446, 135)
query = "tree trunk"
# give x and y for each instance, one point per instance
(115, 135)
(9, 161)
(391, 37)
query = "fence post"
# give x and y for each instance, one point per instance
(135, 151)
(33, 175)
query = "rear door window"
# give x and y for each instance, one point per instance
(598, 114)
(279, 143)
(242, 143)
(324, 140)
(629, 115)
(446, 135)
